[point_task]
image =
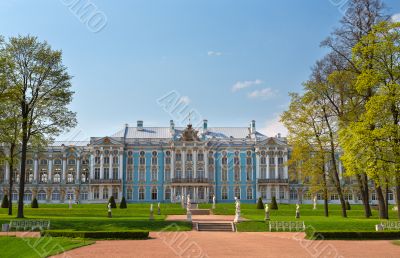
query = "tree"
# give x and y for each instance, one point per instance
(112, 202)
(123, 205)
(260, 204)
(274, 204)
(42, 87)
(34, 204)
(4, 202)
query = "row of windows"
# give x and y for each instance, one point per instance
(106, 173)
(44, 177)
(55, 196)
(44, 162)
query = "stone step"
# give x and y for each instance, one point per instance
(200, 211)
(225, 227)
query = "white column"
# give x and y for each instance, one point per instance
(121, 163)
(101, 166)
(111, 176)
(257, 166)
(285, 159)
(267, 166)
(206, 164)
(183, 164)
(35, 169)
(276, 166)
(78, 170)
(50, 169)
(195, 163)
(64, 169)
(91, 166)
(172, 164)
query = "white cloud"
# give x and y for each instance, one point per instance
(185, 100)
(245, 84)
(396, 17)
(273, 126)
(214, 53)
(263, 93)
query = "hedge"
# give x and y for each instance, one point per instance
(364, 235)
(97, 234)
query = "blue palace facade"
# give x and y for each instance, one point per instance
(159, 164)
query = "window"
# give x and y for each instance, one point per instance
(178, 173)
(70, 177)
(280, 161)
(263, 160)
(263, 190)
(154, 159)
(167, 193)
(224, 160)
(84, 176)
(55, 196)
(200, 156)
(97, 160)
(211, 160)
(106, 173)
(115, 160)
(83, 196)
(130, 160)
(129, 194)
(141, 193)
(249, 174)
(57, 178)
(15, 195)
(97, 173)
(178, 156)
(200, 173)
(201, 193)
(237, 192)
(272, 161)
(106, 160)
(348, 196)
(70, 196)
(130, 174)
(115, 192)
(272, 172)
(224, 174)
(224, 193)
(390, 195)
(249, 194)
(211, 173)
(273, 193)
(373, 196)
(236, 161)
(306, 195)
(115, 173)
(29, 162)
(237, 173)
(96, 193)
(43, 162)
(71, 162)
(168, 160)
(263, 172)
(41, 196)
(281, 193)
(334, 197)
(105, 193)
(167, 174)
(142, 160)
(154, 193)
(189, 173)
(248, 161)
(57, 162)
(142, 174)
(154, 174)
(189, 156)
(43, 177)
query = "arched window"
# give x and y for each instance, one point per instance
(70, 196)
(154, 174)
(129, 194)
(200, 173)
(178, 156)
(154, 158)
(189, 173)
(224, 174)
(141, 193)
(15, 195)
(293, 194)
(263, 160)
(249, 194)
(167, 193)
(28, 196)
(142, 174)
(263, 190)
(249, 174)
(178, 173)
(84, 195)
(154, 193)
(189, 156)
(224, 160)
(43, 177)
(201, 193)
(142, 159)
(167, 174)
(237, 173)
(41, 196)
(70, 177)
(200, 156)
(236, 161)
(105, 193)
(237, 192)
(57, 178)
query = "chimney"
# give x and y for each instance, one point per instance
(140, 125)
(205, 125)
(253, 126)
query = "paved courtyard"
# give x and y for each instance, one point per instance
(221, 244)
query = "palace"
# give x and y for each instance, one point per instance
(159, 164)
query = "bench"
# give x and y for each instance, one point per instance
(287, 226)
(30, 224)
(390, 225)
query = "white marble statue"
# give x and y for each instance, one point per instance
(188, 206)
(158, 209)
(183, 201)
(151, 212)
(297, 211)
(188, 203)
(151, 207)
(266, 211)
(70, 203)
(213, 198)
(315, 202)
(237, 210)
(109, 210)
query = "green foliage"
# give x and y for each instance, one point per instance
(274, 204)
(112, 201)
(260, 204)
(4, 202)
(366, 235)
(97, 234)
(123, 205)
(348, 207)
(34, 204)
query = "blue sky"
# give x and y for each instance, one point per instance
(228, 61)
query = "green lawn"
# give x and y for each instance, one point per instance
(315, 218)
(37, 247)
(93, 217)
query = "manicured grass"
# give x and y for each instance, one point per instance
(37, 247)
(315, 218)
(93, 217)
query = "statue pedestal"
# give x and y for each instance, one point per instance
(109, 214)
(189, 216)
(267, 216)
(151, 216)
(237, 217)
(158, 211)
(297, 215)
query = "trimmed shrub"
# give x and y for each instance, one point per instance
(97, 234)
(260, 204)
(122, 205)
(347, 204)
(112, 201)
(4, 202)
(274, 204)
(372, 235)
(34, 204)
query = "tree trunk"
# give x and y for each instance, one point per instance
(398, 195)
(381, 202)
(387, 198)
(23, 165)
(326, 209)
(363, 186)
(11, 168)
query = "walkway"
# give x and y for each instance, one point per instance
(221, 244)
